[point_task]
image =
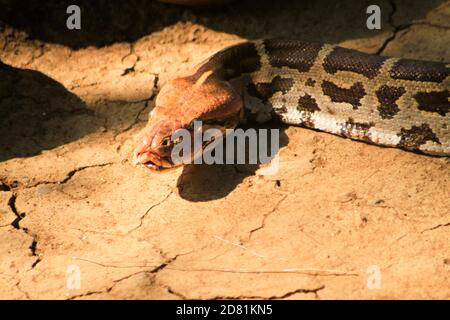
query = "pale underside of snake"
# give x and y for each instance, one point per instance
(384, 101)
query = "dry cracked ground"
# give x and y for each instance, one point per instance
(341, 219)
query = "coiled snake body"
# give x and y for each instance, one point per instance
(386, 101)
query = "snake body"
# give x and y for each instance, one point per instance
(385, 101)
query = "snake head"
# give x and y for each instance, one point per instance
(155, 145)
(180, 102)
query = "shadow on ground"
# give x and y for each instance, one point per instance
(106, 22)
(38, 113)
(202, 182)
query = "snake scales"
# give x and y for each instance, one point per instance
(385, 101)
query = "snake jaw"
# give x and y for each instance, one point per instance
(151, 151)
(146, 159)
(153, 161)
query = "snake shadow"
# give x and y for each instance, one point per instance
(203, 182)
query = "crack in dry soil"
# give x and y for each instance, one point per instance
(401, 27)
(146, 101)
(141, 219)
(265, 216)
(19, 216)
(138, 58)
(283, 296)
(16, 225)
(108, 289)
(441, 225)
(390, 20)
(17, 285)
(179, 295)
(155, 270)
(75, 171)
(69, 175)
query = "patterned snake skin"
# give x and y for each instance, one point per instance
(386, 101)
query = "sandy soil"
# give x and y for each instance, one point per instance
(72, 203)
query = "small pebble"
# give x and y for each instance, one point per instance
(376, 201)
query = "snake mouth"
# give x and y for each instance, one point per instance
(152, 166)
(153, 161)
(156, 162)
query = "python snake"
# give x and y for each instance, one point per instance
(384, 101)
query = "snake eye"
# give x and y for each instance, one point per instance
(166, 142)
